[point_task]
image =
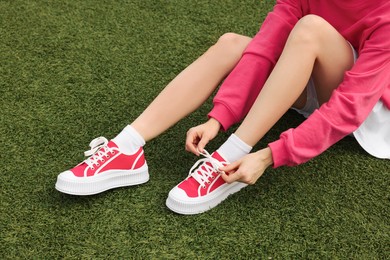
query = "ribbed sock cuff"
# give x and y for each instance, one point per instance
(234, 148)
(129, 140)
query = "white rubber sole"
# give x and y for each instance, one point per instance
(178, 202)
(69, 184)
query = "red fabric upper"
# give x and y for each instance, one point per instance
(365, 24)
(193, 189)
(115, 161)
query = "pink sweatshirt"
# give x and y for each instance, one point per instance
(365, 24)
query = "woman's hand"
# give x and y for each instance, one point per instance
(199, 136)
(249, 168)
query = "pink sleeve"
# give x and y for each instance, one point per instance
(346, 109)
(240, 89)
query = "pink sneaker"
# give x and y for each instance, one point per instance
(106, 168)
(203, 189)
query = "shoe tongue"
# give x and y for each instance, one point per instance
(111, 144)
(217, 156)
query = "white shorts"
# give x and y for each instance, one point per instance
(311, 100)
(373, 135)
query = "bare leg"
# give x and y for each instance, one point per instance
(314, 48)
(192, 86)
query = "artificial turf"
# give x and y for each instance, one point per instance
(74, 70)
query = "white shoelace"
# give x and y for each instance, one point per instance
(96, 153)
(204, 168)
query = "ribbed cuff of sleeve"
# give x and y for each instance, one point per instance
(279, 153)
(223, 115)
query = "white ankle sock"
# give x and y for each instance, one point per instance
(234, 148)
(129, 140)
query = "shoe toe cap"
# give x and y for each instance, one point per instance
(178, 194)
(66, 175)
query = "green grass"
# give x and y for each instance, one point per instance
(74, 70)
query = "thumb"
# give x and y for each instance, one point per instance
(231, 167)
(202, 143)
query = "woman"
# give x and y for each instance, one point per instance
(329, 60)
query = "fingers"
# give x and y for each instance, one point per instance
(230, 167)
(238, 171)
(230, 172)
(231, 177)
(199, 136)
(192, 141)
(202, 143)
(196, 141)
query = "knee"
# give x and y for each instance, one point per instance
(308, 31)
(232, 39)
(232, 43)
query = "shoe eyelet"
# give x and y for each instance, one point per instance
(98, 164)
(112, 152)
(208, 182)
(103, 160)
(92, 168)
(204, 187)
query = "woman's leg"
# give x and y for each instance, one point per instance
(314, 48)
(192, 86)
(121, 162)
